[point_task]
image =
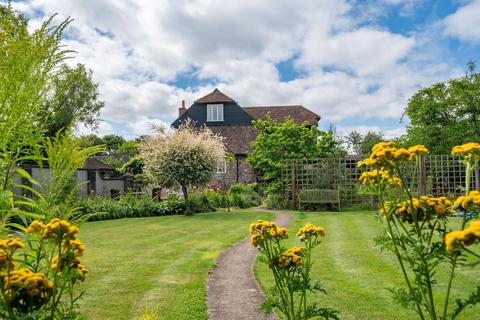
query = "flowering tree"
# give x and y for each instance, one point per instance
(187, 156)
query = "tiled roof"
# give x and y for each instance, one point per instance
(96, 164)
(216, 96)
(236, 138)
(298, 113)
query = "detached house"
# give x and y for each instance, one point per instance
(226, 117)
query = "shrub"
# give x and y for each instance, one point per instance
(200, 202)
(129, 206)
(274, 201)
(244, 195)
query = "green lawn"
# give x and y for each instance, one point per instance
(164, 260)
(355, 273)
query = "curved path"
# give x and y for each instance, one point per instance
(232, 292)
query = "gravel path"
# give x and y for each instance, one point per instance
(232, 292)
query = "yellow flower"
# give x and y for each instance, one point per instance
(310, 230)
(417, 150)
(463, 202)
(11, 243)
(35, 226)
(423, 208)
(81, 271)
(379, 176)
(468, 150)
(291, 258)
(267, 229)
(77, 246)
(402, 154)
(59, 230)
(456, 239)
(257, 239)
(385, 154)
(6, 261)
(26, 288)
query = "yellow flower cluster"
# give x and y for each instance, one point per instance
(386, 153)
(423, 208)
(456, 239)
(291, 258)
(11, 243)
(23, 286)
(58, 230)
(468, 150)
(379, 176)
(464, 202)
(72, 262)
(257, 239)
(63, 232)
(262, 229)
(5, 261)
(310, 230)
(35, 226)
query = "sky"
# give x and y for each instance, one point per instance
(355, 63)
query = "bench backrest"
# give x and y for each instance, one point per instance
(318, 195)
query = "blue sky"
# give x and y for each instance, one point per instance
(355, 63)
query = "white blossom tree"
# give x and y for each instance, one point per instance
(187, 156)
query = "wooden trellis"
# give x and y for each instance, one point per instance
(437, 175)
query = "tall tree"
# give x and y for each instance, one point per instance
(363, 144)
(74, 100)
(445, 114)
(280, 141)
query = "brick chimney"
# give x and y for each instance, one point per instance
(182, 109)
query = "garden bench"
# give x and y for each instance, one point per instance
(320, 196)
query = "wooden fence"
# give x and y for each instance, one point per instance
(437, 175)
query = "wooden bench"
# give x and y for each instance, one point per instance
(320, 196)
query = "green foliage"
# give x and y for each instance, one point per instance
(128, 206)
(274, 201)
(113, 142)
(55, 188)
(129, 148)
(280, 141)
(244, 195)
(199, 201)
(28, 62)
(363, 144)
(74, 100)
(445, 114)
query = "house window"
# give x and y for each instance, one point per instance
(222, 167)
(214, 112)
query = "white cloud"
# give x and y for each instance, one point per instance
(465, 22)
(103, 129)
(350, 69)
(145, 126)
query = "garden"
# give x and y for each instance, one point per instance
(403, 245)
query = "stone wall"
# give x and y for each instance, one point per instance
(238, 171)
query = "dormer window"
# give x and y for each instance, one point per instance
(214, 112)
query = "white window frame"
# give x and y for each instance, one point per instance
(214, 112)
(222, 167)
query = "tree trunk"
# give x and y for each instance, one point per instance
(188, 210)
